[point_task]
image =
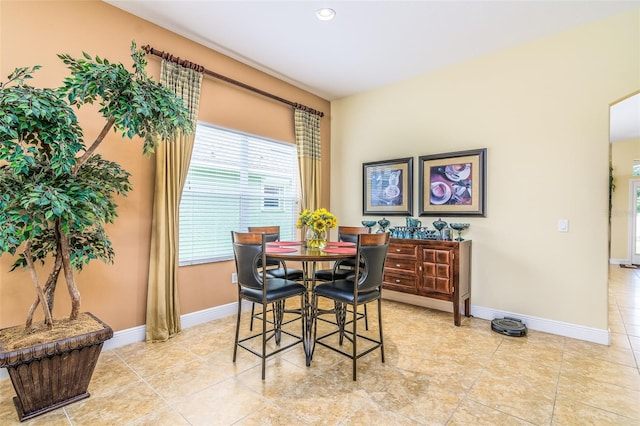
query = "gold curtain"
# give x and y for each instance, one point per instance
(307, 128)
(172, 164)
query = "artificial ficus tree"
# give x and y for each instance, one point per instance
(56, 193)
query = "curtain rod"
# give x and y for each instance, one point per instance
(199, 68)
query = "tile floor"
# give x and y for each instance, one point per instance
(434, 374)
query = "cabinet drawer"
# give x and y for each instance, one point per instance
(403, 249)
(400, 282)
(401, 263)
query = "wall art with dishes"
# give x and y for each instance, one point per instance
(453, 184)
(387, 187)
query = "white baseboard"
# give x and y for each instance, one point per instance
(138, 334)
(619, 261)
(574, 331)
(580, 332)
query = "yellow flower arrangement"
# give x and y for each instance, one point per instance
(319, 220)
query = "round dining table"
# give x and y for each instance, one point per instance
(298, 251)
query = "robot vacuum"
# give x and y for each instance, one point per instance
(509, 327)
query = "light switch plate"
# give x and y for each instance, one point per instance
(563, 225)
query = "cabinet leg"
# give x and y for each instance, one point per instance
(456, 313)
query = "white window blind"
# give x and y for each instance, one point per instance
(235, 180)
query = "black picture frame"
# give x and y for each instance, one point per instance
(387, 187)
(453, 183)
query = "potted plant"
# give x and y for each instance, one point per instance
(56, 195)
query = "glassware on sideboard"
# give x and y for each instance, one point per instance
(443, 231)
(459, 227)
(384, 224)
(369, 224)
(439, 225)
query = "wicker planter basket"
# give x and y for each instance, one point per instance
(48, 376)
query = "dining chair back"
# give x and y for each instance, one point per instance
(346, 267)
(275, 268)
(350, 233)
(273, 232)
(256, 286)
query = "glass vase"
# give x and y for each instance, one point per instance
(316, 239)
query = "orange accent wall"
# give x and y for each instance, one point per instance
(33, 32)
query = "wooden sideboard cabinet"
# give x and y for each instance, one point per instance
(431, 268)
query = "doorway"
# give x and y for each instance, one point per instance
(624, 151)
(634, 209)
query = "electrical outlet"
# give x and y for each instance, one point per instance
(234, 278)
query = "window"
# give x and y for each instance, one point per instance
(235, 180)
(271, 200)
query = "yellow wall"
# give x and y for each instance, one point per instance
(32, 32)
(623, 155)
(542, 112)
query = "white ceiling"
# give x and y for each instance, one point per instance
(370, 43)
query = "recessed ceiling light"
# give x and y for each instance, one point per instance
(325, 14)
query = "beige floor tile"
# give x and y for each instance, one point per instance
(224, 359)
(457, 375)
(541, 376)
(617, 325)
(148, 359)
(111, 374)
(372, 414)
(186, 379)
(517, 351)
(415, 397)
(221, 404)
(630, 315)
(473, 413)
(620, 340)
(130, 403)
(282, 376)
(162, 417)
(270, 416)
(605, 396)
(9, 416)
(632, 329)
(570, 412)
(614, 353)
(518, 398)
(315, 408)
(579, 366)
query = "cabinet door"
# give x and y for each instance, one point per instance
(437, 271)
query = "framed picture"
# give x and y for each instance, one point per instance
(387, 187)
(453, 184)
